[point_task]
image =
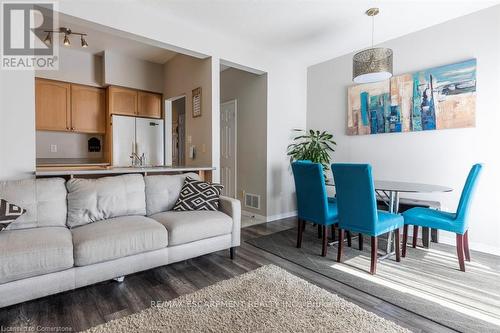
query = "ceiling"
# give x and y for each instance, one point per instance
(314, 30)
(100, 41)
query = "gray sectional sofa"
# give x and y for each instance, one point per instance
(85, 231)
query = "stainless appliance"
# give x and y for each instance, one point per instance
(137, 141)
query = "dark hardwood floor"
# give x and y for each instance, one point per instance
(90, 306)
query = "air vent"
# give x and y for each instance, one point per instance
(252, 200)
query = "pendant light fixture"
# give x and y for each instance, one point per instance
(373, 64)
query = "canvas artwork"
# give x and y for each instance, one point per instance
(437, 98)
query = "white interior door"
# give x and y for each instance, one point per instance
(228, 148)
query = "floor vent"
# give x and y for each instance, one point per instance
(252, 200)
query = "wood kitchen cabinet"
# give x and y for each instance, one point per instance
(52, 105)
(149, 105)
(88, 109)
(68, 107)
(122, 101)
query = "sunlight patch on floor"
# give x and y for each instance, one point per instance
(417, 293)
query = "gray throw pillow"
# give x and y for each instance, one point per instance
(198, 195)
(9, 213)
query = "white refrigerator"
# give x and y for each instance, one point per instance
(139, 135)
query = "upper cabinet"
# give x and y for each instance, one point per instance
(62, 106)
(149, 105)
(122, 101)
(53, 105)
(88, 109)
(130, 102)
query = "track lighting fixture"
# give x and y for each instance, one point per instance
(67, 32)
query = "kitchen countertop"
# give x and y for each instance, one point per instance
(47, 171)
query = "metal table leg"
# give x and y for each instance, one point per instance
(393, 208)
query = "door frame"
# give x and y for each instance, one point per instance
(167, 128)
(235, 101)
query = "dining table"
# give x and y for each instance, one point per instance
(389, 192)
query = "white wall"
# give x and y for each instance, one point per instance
(76, 67)
(17, 124)
(122, 70)
(436, 157)
(250, 92)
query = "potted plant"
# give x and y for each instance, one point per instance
(312, 145)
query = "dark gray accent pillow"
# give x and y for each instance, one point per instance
(198, 195)
(9, 213)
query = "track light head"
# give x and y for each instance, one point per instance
(84, 42)
(66, 41)
(48, 39)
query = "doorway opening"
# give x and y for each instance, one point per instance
(243, 139)
(175, 130)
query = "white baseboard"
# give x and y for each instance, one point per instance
(475, 246)
(281, 216)
(250, 214)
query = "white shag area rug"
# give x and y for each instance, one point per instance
(268, 299)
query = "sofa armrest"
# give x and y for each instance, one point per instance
(232, 207)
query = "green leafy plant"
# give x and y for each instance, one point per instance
(311, 145)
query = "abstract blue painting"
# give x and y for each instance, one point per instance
(437, 98)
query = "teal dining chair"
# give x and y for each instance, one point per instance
(313, 204)
(357, 208)
(457, 222)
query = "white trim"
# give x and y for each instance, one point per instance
(445, 238)
(235, 101)
(281, 216)
(250, 214)
(241, 67)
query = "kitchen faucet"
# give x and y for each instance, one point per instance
(138, 160)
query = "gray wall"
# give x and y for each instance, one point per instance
(250, 91)
(435, 157)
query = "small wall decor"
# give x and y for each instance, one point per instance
(437, 98)
(197, 102)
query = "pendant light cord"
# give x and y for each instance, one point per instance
(373, 28)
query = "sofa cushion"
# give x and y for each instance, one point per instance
(91, 200)
(44, 201)
(31, 252)
(115, 238)
(190, 226)
(162, 191)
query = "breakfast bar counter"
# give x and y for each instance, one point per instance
(96, 171)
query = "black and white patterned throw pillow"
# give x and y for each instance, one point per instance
(9, 213)
(198, 195)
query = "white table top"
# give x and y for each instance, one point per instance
(395, 186)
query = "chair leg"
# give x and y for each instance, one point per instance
(374, 257)
(300, 230)
(415, 235)
(460, 252)
(349, 239)
(341, 242)
(333, 232)
(360, 242)
(325, 240)
(319, 230)
(405, 240)
(397, 245)
(466, 246)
